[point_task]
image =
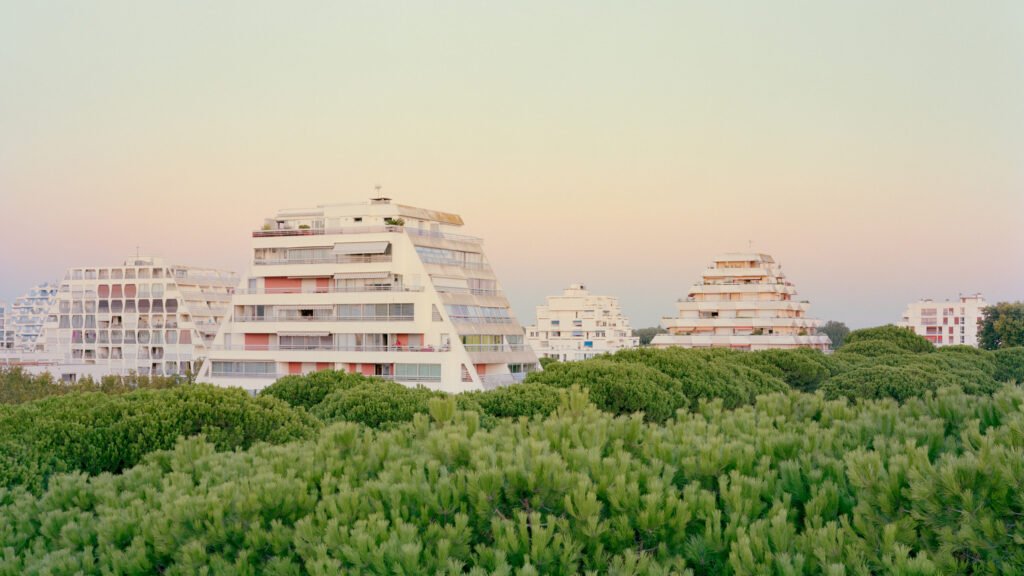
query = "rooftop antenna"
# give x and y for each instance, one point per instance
(750, 245)
(136, 250)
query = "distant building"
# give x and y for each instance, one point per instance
(6, 336)
(376, 288)
(945, 323)
(743, 302)
(27, 315)
(579, 325)
(144, 316)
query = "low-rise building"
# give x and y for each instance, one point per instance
(376, 288)
(948, 322)
(743, 301)
(578, 325)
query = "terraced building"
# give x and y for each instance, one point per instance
(377, 288)
(742, 301)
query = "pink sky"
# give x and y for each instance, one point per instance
(878, 154)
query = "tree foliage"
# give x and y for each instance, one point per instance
(794, 484)
(94, 432)
(900, 337)
(18, 386)
(647, 335)
(617, 387)
(310, 389)
(1001, 326)
(836, 332)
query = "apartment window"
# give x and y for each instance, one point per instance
(418, 372)
(377, 311)
(224, 368)
(488, 314)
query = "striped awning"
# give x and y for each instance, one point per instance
(313, 334)
(361, 248)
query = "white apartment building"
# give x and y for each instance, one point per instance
(6, 336)
(579, 325)
(27, 315)
(377, 288)
(946, 323)
(145, 316)
(743, 302)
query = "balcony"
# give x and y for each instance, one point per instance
(492, 381)
(329, 318)
(332, 290)
(332, 259)
(363, 230)
(495, 347)
(324, 348)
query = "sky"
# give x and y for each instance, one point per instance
(874, 148)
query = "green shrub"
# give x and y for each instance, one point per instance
(793, 484)
(544, 361)
(897, 382)
(310, 389)
(375, 403)
(707, 374)
(1009, 364)
(617, 387)
(803, 369)
(95, 432)
(526, 399)
(868, 350)
(18, 386)
(903, 338)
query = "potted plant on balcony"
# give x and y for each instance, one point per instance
(394, 221)
(304, 230)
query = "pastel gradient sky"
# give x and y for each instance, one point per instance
(875, 148)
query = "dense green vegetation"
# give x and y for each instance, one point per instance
(888, 456)
(836, 332)
(96, 432)
(1001, 326)
(18, 386)
(793, 484)
(646, 335)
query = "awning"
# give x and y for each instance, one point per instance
(313, 334)
(361, 248)
(445, 282)
(352, 275)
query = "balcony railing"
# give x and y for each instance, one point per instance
(473, 291)
(323, 348)
(495, 347)
(219, 374)
(332, 290)
(363, 230)
(481, 320)
(497, 380)
(330, 318)
(332, 259)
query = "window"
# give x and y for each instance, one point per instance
(418, 372)
(451, 257)
(371, 312)
(244, 368)
(485, 314)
